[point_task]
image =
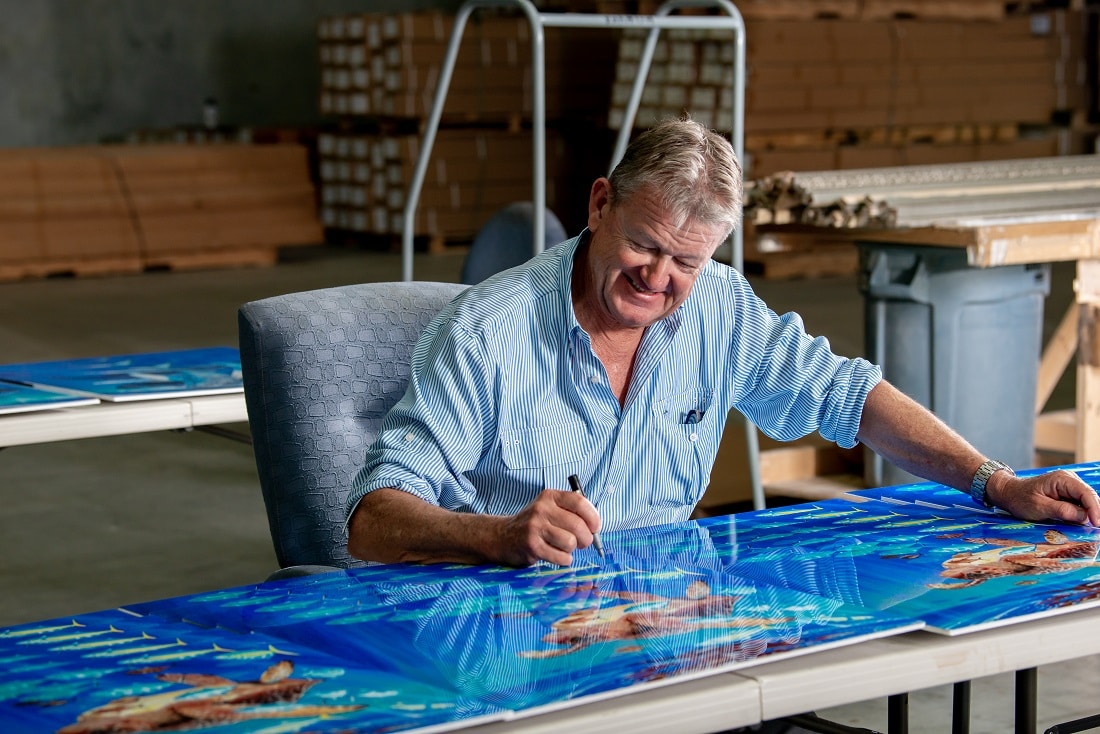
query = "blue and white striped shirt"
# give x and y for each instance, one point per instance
(507, 398)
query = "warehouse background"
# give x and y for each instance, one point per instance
(95, 523)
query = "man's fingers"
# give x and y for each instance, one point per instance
(1066, 511)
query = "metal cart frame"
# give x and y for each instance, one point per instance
(662, 19)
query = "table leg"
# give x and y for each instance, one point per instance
(897, 714)
(1027, 687)
(960, 708)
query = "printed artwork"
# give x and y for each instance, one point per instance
(185, 373)
(121, 672)
(16, 398)
(403, 647)
(929, 552)
(392, 648)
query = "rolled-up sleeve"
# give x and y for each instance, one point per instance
(797, 384)
(440, 427)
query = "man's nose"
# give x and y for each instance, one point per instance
(656, 272)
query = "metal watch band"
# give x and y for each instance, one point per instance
(981, 477)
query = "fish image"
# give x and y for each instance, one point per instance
(53, 640)
(8, 634)
(1017, 558)
(271, 651)
(96, 644)
(126, 651)
(169, 657)
(643, 616)
(206, 701)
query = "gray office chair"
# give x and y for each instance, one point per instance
(505, 241)
(321, 368)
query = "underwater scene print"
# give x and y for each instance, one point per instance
(664, 605)
(929, 552)
(405, 647)
(184, 373)
(121, 672)
(16, 398)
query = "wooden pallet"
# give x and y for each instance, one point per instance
(842, 9)
(899, 135)
(70, 268)
(933, 9)
(250, 257)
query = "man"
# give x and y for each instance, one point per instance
(615, 357)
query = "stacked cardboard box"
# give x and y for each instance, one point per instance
(838, 93)
(98, 209)
(473, 173)
(380, 72)
(390, 65)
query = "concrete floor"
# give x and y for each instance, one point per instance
(98, 523)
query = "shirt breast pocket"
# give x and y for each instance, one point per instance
(545, 456)
(686, 435)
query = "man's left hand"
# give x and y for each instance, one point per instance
(1058, 495)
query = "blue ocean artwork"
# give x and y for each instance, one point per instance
(184, 373)
(929, 552)
(164, 676)
(403, 647)
(666, 604)
(16, 398)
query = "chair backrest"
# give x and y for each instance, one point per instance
(321, 369)
(505, 241)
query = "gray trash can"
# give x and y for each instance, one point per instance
(965, 342)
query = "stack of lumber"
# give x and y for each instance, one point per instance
(110, 209)
(473, 173)
(796, 222)
(869, 89)
(923, 196)
(63, 210)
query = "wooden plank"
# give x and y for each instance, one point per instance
(1056, 431)
(1056, 356)
(1088, 361)
(818, 263)
(991, 245)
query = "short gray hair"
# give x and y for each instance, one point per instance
(692, 169)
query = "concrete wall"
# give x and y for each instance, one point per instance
(81, 71)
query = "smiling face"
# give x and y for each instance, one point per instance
(638, 267)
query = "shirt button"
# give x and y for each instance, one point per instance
(611, 489)
(409, 437)
(595, 378)
(694, 437)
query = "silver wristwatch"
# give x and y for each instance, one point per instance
(981, 477)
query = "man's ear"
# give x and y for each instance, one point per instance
(599, 201)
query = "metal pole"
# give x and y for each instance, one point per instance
(572, 20)
(412, 196)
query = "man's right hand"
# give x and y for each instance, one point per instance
(393, 526)
(555, 524)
